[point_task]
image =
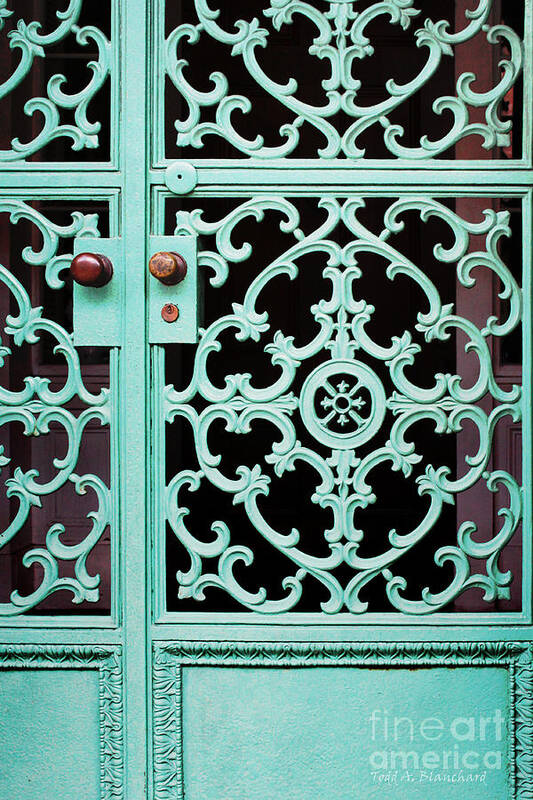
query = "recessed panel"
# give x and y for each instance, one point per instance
(50, 733)
(345, 733)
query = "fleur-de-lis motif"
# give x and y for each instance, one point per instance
(342, 404)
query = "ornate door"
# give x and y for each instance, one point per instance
(265, 379)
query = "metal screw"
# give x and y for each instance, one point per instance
(170, 312)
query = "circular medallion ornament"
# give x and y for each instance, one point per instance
(342, 404)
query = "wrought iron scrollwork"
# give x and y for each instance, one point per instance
(343, 404)
(341, 39)
(28, 43)
(37, 407)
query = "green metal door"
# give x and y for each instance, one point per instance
(265, 399)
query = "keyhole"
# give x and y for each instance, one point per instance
(170, 312)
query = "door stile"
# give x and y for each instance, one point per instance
(528, 85)
(133, 415)
(158, 450)
(527, 383)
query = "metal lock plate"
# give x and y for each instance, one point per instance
(98, 311)
(184, 295)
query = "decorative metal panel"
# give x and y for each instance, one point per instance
(172, 661)
(59, 490)
(59, 107)
(335, 427)
(49, 115)
(107, 662)
(351, 79)
(57, 502)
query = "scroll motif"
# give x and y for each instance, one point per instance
(362, 393)
(37, 407)
(28, 43)
(342, 39)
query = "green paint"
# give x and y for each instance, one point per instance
(343, 479)
(221, 692)
(385, 742)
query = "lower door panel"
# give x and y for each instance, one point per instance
(240, 721)
(61, 722)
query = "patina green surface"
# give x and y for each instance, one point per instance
(145, 673)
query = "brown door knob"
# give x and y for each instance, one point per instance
(169, 268)
(91, 269)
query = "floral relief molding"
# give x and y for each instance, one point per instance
(169, 659)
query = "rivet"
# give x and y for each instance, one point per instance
(180, 177)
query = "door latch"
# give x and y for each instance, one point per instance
(96, 272)
(172, 289)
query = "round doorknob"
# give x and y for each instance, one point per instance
(91, 269)
(169, 268)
